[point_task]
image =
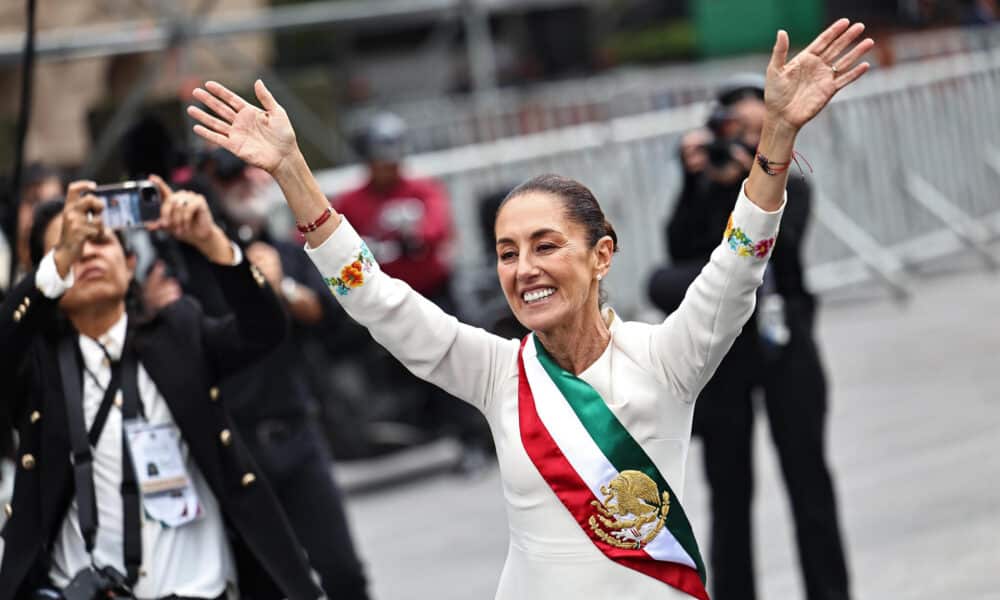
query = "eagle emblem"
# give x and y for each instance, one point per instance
(633, 511)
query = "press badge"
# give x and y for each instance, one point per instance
(168, 495)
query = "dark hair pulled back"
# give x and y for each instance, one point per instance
(578, 201)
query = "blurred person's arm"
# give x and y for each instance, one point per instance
(159, 290)
(330, 317)
(303, 303)
(685, 231)
(693, 152)
(257, 323)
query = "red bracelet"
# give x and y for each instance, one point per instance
(310, 227)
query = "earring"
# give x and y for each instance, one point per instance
(599, 276)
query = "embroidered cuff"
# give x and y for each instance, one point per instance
(751, 231)
(47, 278)
(343, 259)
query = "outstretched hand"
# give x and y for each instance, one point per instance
(262, 138)
(798, 89)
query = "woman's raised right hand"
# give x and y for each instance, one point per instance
(262, 138)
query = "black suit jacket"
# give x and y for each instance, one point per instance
(185, 353)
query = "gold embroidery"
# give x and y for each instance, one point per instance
(633, 511)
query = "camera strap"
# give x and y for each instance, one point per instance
(124, 376)
(131, 408)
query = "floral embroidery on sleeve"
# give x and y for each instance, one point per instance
(352, 275)
(742, 245)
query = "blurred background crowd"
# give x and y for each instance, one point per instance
(419, 115)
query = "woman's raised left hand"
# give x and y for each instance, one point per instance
(798, 89)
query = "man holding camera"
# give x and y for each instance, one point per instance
(130, 479)
(775, 354)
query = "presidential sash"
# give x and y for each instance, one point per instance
(601, 474)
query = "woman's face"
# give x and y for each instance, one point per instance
(546, 268)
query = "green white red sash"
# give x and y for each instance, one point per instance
(601, 474)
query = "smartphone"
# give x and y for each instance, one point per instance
(129, 204)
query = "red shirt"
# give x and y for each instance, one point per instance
(408, 229)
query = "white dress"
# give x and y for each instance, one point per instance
(649, 375)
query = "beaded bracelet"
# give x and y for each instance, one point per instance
(310, 227)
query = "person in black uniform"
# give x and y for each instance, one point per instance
(775, 354)
(274, 405)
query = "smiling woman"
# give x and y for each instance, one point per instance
(553, 247)
(591, 415)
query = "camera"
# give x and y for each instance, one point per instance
(129, 204)
(92, 583)
(720, 149)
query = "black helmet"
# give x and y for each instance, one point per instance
(740, 86)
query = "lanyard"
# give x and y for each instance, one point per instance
(124, 376)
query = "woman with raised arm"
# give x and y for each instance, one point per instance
(591, 415)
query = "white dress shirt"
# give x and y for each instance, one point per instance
(649, 375)
(194, 560)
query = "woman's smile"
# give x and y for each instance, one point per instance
(537, 296)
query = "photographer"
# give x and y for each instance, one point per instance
(95, 390)
(775, 354)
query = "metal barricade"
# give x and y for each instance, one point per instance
(458, 120)
(907, 169)
(446, 122)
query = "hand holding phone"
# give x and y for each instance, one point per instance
(129, 204)
(187, 218)
(79, 224)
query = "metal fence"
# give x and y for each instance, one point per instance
(450, 121)
(446, 122)
(907, 168)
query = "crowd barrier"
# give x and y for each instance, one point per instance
(444, 122)
(906, 170)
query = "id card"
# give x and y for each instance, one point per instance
(167, 493)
